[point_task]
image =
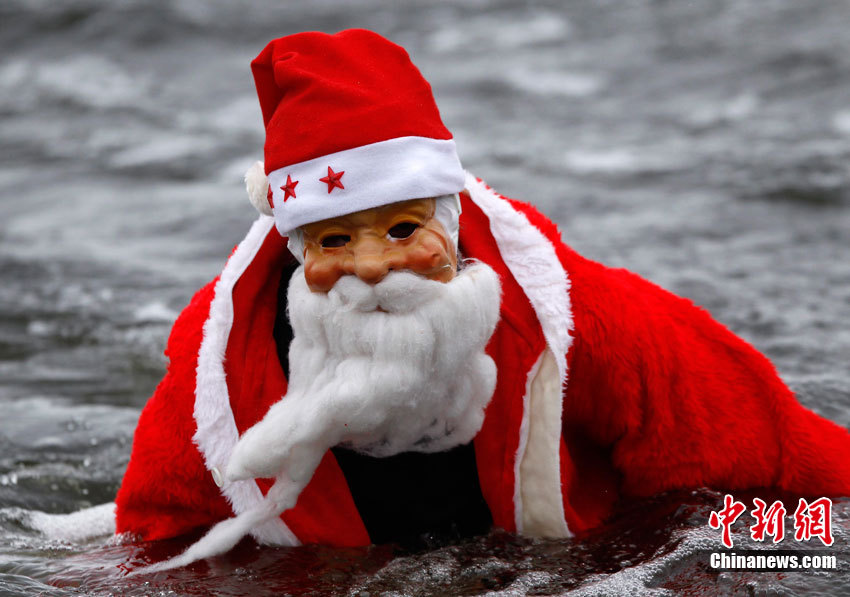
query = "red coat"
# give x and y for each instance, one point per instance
(607, 386)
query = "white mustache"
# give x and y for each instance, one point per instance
(398, 292)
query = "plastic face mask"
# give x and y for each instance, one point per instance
(371, 243)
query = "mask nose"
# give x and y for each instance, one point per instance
(370, 262)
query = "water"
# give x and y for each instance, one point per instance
(703, 145)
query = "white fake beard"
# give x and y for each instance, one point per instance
(411, 377)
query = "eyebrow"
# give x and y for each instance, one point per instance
(338, 221)
(420, 210)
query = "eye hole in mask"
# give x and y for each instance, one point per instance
(403, 230)
(335, 241)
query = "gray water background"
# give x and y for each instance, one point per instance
(704, 145)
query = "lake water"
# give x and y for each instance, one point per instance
(704, 145)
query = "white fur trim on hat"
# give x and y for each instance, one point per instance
(258, 188)
(373, 175)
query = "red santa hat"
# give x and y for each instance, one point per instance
(351, 124)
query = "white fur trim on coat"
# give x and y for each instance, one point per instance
(533, 262)
(540, 488)
(217, 433)
(524, 426)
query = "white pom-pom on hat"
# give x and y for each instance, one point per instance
(257, 185)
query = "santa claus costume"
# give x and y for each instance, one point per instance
(607, 385)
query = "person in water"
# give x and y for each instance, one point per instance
(396, 350)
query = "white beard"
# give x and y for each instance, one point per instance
(410, 377)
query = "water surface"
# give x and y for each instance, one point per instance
(703, 145)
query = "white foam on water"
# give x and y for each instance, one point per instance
(730, 110)
(89, 80)
(555, 82)
(530, 581)
(76, 527)
(155, 312)
(614, 161)
(625, 161)
(638, 580)
(494, 30)
(160, 150)
(841, 122)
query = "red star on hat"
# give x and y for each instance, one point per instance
(332, 179)
(289, 188)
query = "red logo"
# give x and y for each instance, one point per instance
(770, 522)
(732, 509)
(814, 520)
(811, 519)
